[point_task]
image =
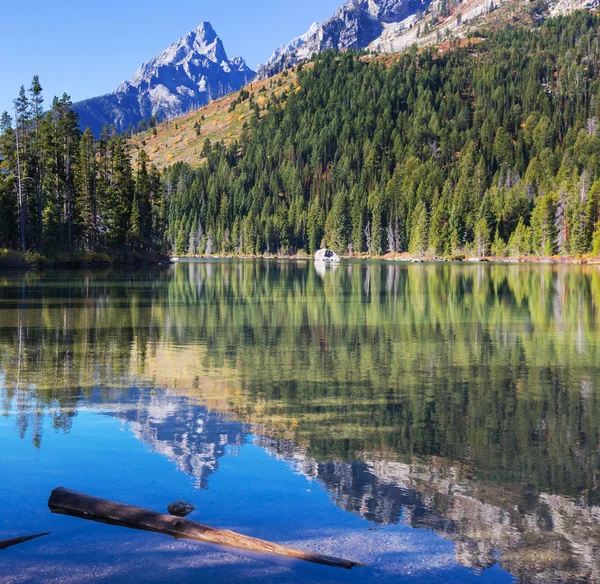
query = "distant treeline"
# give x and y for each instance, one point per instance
(489, 148)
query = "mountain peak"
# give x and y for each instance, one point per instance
(206, 30)
(186, 75)
(199, 49)
(206, 42)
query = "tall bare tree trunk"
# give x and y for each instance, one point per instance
(22, 217)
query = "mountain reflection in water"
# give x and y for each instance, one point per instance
(189, 434)
(459, 399)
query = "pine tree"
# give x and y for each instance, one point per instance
(543, 232)
(86, 207)
(518, 244)
(143, 206)
(336, 225)
(22, 120)
(596, 240)
(118, 202)
(61, 142)
(439, 230)
(561, 222)
(8, 200)
(592, 213)
(135, 237)
(36, 101)
(376, 224)
(419, 231)
(181, 244)
(498, 246)
(314, 225)
(482, 238)
(359, 210)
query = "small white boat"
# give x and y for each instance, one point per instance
(326, 255)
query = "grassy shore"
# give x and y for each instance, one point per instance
(33, 260)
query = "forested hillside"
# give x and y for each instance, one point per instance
(487, 148)
(182, 139)
(490, 146)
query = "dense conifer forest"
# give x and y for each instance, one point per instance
(67, 195)
(488, 147)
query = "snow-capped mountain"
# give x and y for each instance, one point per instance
(355, 25)
(187, 75)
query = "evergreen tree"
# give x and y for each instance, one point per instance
(86, 206)
(118, 202)
(418, 239)
(482, 238)
(543, 232)
(336, 226)
(36, 101)
(142, 205)
(22, 121)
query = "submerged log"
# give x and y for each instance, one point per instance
(76, 504)
(17, 540)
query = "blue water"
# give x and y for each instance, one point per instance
(437, 423)
(251, 492)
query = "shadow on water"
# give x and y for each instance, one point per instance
(461, 400)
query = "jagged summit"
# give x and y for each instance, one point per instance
(185, 76)
(206, 31)
(200, 48)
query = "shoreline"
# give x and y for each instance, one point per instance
(407, 259)
(17, 260)
(11, 260)
(32, 261)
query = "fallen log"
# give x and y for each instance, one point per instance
(76, 504)
(17, 540)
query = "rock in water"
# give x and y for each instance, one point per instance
(180, 508)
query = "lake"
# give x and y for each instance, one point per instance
(438, 422)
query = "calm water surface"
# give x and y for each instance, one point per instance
(438, 422)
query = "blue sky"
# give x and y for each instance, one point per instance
(87, 48)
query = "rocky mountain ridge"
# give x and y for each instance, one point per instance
(388, 26)
(354, 25)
